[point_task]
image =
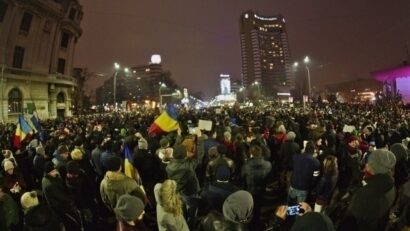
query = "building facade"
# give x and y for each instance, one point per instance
(265, 53)
(37, 44)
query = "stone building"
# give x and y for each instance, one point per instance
(37, 44)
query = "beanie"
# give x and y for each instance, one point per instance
(313, 221)
(129, 208)
(8, 165)
(381, 161)
(179, 152)
(112, 163)
(76, 154)
(222, 173)
(29, 199)
(238, 207)
(48, 167)
(290, 136)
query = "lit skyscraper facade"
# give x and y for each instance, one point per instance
(265, 53)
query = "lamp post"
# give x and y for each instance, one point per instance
(159, 93)
(117, 68)
(306, 61)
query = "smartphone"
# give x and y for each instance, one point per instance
(293, 210)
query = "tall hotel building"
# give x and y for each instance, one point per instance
(265, 53)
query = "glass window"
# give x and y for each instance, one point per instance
(3, 10)
(15, 101)
(60, 98)
(18, 57)
(65, 39)
(61, 66)
(26, 22)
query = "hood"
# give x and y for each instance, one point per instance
(238, 207)
(114, 179)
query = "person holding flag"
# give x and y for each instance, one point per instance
(22, 131)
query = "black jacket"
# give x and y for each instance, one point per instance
(40, 218)
(370, 205)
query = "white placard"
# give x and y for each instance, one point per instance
(349, 128)
(205, 125)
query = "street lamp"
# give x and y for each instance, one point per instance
(295, 64)
(117, 68)
(307, 61)
(159, 92)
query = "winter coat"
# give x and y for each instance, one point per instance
(286, 153)
(325, 188)
(370, 205)
(146, 164)
(305, 171)
(167, 221)
(215, 194)
(40, 218)
(114, 185)
(255, 172)
(57, 195)
(183, 172)
(9, 212)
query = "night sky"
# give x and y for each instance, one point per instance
(199, 39)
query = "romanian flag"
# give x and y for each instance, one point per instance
(166, 122)
(129, 169)
(22, 130)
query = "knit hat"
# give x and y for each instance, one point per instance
(29, 199)
(179, 152)
(48, 167)
(381, 161)
(76, 154)
(129, 208)
(40, 150)
(213, 152)
(112, 163)
(313, 221)
(8, 165)
(222, 173)
(238, 207)
(290, 136)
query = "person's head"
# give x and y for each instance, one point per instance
(169, 197)
(6, 153)
(180, 152)
(213, 152)
(310, 147)
(255, 150)
(227, 136)
(381, 161)
(330, 165)
(238, 207)
(73, 169)
(353, 142)
(164, 142)
(29, 200)
(50, 169)
(40, 150)
(291, 136)
(113, 164)
(239, 138)
(76, 154)
(9, 167)
(281, 129)
(63, 151)
(222, 173)
(129, 208)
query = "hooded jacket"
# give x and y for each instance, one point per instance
(238, 207)
(168, 221)
(370, 205)
(114, 185)
(183, 172)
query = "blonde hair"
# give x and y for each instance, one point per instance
(169, 198)
(76, 154)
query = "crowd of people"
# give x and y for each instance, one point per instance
(273, 167)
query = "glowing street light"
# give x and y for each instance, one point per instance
(295, 64)
(307, 61)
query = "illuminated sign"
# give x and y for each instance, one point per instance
(263, 18)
